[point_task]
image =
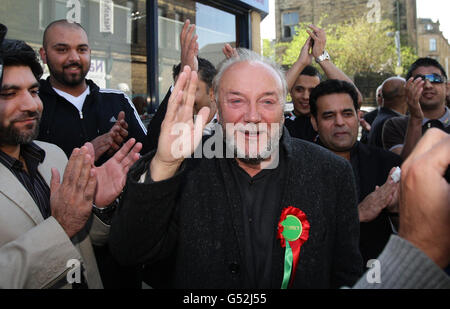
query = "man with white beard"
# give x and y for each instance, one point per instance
(224, 221)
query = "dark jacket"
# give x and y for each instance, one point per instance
(373, 169)
(62, 124)
(154, 127)
(195, 218)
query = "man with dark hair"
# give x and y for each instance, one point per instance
(334, 110)
(394, 105)
(203, 96)
(426, 91)
(76, 110)
(302, 78)
(47, 228)
(366, 120)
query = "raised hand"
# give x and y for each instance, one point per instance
(71, 201)
(320, 40)
(306, 56)
(414, 89)
(111, 175)
(179, 134)
(189, 46)
(304, 59)
(229, 51)
(110, 142)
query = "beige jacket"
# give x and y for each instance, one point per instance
(34, 252)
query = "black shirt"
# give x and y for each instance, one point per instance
(261, 199)
(300, 127)
(32, 181)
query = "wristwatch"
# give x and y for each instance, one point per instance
(323, 57)
(105, 210)
(105, 214)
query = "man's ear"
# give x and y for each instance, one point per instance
(43, 55)
(212, 98)
(314, 123)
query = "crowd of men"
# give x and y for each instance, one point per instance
(272, 201)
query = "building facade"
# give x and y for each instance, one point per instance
(135, 43)
(288, 13)
(432, 42)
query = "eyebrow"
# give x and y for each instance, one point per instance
(334, 112)
(66, 44)
(15, 87)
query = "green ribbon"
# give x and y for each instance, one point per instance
(288, 259)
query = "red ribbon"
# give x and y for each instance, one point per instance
(296, 244)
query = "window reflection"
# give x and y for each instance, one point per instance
(213, 27)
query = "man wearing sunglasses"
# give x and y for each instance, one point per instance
(426, 90)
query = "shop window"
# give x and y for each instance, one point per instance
(214, 28)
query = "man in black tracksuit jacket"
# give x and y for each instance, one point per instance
(62, 124)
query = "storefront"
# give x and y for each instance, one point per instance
(135, 43)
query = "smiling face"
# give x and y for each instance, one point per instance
(301, 91)
(433, 96)
(337, 122)
(20, 106)
(251, 102)
(68, 56)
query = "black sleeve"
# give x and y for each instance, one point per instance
(144, 227)
(136, 128)
(394, 132)
(154, 127)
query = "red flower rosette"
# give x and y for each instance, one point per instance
(293, 232)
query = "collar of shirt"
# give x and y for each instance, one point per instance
(78, 102)
(32, 153)
(445, 119)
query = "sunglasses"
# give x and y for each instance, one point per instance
(432, 78)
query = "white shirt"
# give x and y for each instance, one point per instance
(76, 101)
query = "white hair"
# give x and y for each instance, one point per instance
(245, 55)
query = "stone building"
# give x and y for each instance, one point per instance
(288, 13)
(432, 42)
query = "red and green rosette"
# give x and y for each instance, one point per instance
(293, 231)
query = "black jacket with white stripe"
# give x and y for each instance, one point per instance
(62, 124)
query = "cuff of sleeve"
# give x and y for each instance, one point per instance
(42, 256)
(99, 231)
